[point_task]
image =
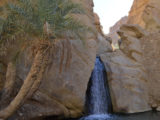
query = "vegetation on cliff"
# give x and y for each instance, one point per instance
(38, 23)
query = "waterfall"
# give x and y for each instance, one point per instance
(98, 97)
(98, 101)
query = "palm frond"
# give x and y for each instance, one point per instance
(29, 17)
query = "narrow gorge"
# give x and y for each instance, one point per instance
(68, 69)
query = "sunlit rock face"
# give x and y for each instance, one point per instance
(97, 23)
(127, 77)
(151, 54)
(146, 13)
(137, 11)
(142, 48)
(134, 69)
(113, 30)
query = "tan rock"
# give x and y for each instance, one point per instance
(154, 106)
(113, 30)
(127, 83)
(97, 23)
(158, 109)
(151, 54)
(127, 76)
(103, 45)
(145, 13)
(63, 88)
(136, 12)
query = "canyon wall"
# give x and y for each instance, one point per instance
(126, 73)
(146, 13)
(113, 30)
(137, 11)
(133, 70)
(63, 88)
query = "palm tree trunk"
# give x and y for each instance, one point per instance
(9, 84)
(30, 84)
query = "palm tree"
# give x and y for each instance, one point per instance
(40, 22)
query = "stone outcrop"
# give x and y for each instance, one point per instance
(136, 12)
(104, 45)
(113, 30)
(97, 23)
(145, 13)
(63, 88)
(126, 73)
(151, 53)
(133, 71)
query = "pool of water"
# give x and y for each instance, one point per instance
(139, 116)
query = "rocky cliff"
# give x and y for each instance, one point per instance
(126, 73)
(113, 30)
(151, 51)
(145, 13)
(63, 88)
(134, 69)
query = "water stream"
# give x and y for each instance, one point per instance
(98, 101)
(98, 98)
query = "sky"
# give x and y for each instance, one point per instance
(110, 11)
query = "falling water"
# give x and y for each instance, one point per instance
(98, 101)
(98, 98)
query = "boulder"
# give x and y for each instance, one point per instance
(104, 46)
(126, 73)
(151, 54)
(113, 30)
(63, 88)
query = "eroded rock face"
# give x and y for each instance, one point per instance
(113, 30)
(127, 76)
(146, 13)
(134, 70)
(133, 74)
(104, 45)
(136, 12)
(63, 88)
(151, 54)
(97, 23)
